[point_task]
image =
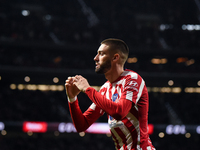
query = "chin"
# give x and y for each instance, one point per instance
(99, 71)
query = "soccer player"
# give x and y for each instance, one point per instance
(123, 97)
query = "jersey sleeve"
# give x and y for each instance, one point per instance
(117, 110)
(133, 89)
(82, 121)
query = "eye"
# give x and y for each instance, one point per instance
(101, 53)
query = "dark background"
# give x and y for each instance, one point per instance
(60, 38)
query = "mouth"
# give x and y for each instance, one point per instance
(97, 65)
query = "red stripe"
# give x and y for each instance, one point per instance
(110, 92)
(134, 112)
(115, 140)
(121, 135)
(132, 130)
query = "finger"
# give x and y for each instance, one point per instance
(67, 82)
(67, 85)
(73, 79)
(70, 80)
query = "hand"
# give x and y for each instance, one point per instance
(71, 88)
(81, 83)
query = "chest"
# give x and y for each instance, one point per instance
(113, 92)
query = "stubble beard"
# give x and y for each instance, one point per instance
(103, 67)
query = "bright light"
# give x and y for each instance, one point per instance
(30, 133)
(155, 61)
(25, 12)
(170, 82)
(161, 135)
(163, 61)
(181, 59)
(189, 90)
(53, 88)
(43, 87)
(165, 90)
(198, 83)
(187, 135)
(158, 61)
(191, 27)
(176, 90)
(55, 80)
(132, 60)
(165, 27)
(31, 87)
(3, 132)
(190, 62)
(60, 87)
(192, 90)
(197, 90)
(13, 86)
(82, 134)
(2, 126)
(20, 86)
(27, 79)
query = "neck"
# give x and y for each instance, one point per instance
(114, 73)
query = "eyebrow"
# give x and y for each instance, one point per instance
(98, 51)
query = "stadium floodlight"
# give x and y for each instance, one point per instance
(25, 12)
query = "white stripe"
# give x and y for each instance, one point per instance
(126, 132)
(107, 92)
(140, 91)
(129, 139)
(93, 106)
(118, 138)
(132, 74)
(135, 123)
(129, 95)
(125, 73)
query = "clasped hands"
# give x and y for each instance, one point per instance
(75, 85)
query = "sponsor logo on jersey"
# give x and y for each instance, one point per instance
(132, 85)
(114, 123)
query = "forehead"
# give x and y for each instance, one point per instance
(103, 47)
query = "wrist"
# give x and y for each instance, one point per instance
(84, 90)
(71, 100)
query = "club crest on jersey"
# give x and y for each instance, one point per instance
(114, 97)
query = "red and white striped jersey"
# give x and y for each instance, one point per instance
(131, 131)
(126, 102)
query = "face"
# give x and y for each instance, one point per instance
(103, 59)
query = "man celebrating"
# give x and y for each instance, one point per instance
(124, 97)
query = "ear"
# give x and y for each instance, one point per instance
(116, 57)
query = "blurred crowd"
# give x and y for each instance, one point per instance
(63, 23)
(137, 22)
(36, 58)
(52, 106)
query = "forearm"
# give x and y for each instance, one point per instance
(78, 118)
(117, 110)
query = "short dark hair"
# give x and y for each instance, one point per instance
(119, 46)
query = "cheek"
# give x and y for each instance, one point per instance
(102, 60)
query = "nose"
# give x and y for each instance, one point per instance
(96, 58)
